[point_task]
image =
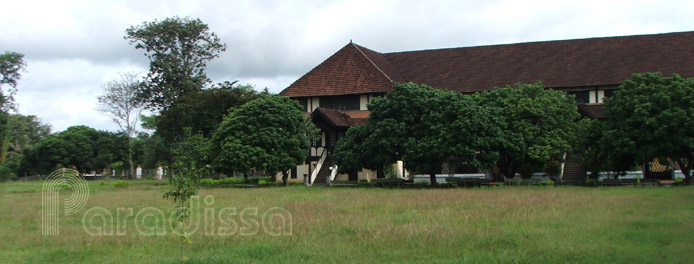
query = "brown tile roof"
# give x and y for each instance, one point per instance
(358, 117)
(341, 119)
(566, 63)
(348, 71)
(592, 110)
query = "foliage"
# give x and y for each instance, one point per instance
(537, 125)
(202, 111)
(220, 182)
(81, 147)
(184, 185)
(602, 148)
(265, 134)
(11, 64)
(24, 132)
(150, 151)
(194, 149)
(679, 181)
(362, 147)
(121, 184)
(656, 114)
(546, 183)
(424, 127)
(178, 50)
(6, 174)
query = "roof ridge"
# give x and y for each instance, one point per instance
(371, 61)
(539, 42)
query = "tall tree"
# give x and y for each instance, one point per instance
(120, 102)
(424, 127)
(266, 134)
(178, 50)
(11, 64)
(201, 112)
(656, 113)
(537, 126)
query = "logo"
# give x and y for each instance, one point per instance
(68, 183)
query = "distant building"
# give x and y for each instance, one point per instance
(337, 91)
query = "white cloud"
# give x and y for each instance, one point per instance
(74, 46)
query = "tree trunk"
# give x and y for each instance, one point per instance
(432, 178)
(130, 158)
(245, 177)
(686, 170)
(285, 178)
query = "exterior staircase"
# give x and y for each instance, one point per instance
(324, 172)
(574, 173)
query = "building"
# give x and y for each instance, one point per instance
(337, 91)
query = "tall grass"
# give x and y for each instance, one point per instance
(524, 225)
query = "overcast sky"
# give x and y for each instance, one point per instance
(73, 47)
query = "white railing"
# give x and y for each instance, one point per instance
(314, 174)
(333, 173)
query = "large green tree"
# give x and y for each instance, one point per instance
(656, 113)
(602, 148)
(424, 127)
(179, 50)
(266, 134)
(201, 112)
(537, 126)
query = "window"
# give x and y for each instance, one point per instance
(582, 97)
(304, 103)
(340, 103)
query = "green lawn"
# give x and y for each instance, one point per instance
(504, 224)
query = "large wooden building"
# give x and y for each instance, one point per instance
(337, 91)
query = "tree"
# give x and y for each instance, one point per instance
(266, 134)
(81, 147)
(25, 131)
(22, 133)
(120, 102)
(537, 126)
(201, 112)
(11, 64)
(178, 50)
(422, 126)
(601, 148)
(656, 114)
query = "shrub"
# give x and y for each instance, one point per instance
(222, 182)
(121, 184)
(679, 181)
(6, 174)
(546, 183)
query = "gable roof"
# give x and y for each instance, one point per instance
(348, 71)
(559, 64)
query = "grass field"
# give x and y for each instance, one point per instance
(503, 224)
